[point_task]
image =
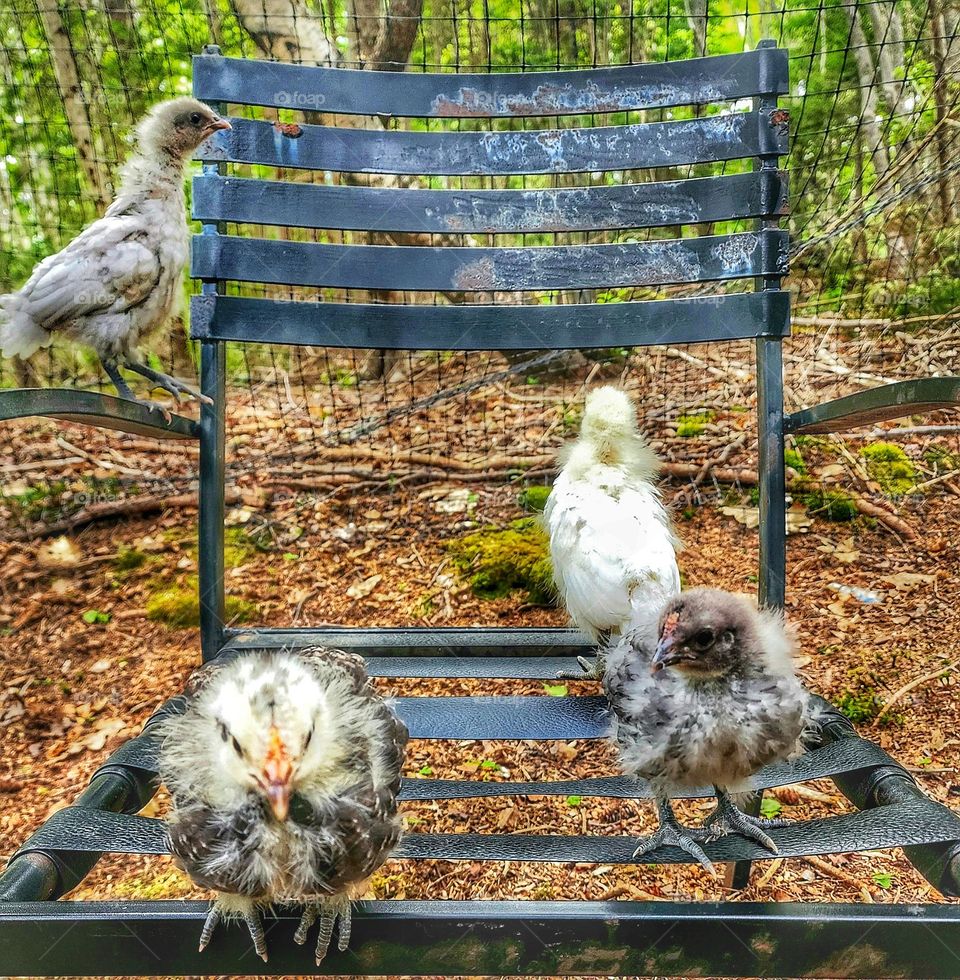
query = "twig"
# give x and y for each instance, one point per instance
(687, 492)
(110, 509)
(848, 879)
(907, 688)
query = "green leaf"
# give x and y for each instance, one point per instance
(290, 556)
(555, 690)
(883, 878)
(770, 807)
(489, 764)
(425, 770)
(574, 800)
(92, 616)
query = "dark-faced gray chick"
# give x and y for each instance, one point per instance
(708, 700)
(119, 279)
(284, 772)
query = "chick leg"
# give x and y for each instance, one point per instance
(123, 389)
(592, 670)
(227, 907)
(728, 818)
(161, 380)
(670, 833)
(327, 911)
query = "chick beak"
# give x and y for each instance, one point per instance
(277, 773)
(664, 655)
(216, 124)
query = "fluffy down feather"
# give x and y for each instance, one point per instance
(611, 543)
(707, 698)
(284, 772)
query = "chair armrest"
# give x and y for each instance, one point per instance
(93, 408)
(876, 405)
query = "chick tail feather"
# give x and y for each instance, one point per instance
(20, 335)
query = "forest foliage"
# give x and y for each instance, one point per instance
(873, 98)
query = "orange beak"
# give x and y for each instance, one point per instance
(278, 772)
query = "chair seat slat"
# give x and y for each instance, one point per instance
(904, 824)
(717, 78)
(676, 260)
(762, 193)
(470, 327)
(677, 143)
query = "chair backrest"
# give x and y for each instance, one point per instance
(746, 125)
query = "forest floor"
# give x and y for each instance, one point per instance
(84, 664)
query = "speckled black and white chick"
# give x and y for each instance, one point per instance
(284, 772)
(708, 700)
(120, 278)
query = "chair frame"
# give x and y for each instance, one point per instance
(39, 935)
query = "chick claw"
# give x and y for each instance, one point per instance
(167, 383)
(592, 670)
(225, 907)
(327, 911)
(728, 818)
(673, 835)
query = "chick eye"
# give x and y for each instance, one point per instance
(703, 639)
(196, 118)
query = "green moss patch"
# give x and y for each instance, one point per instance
(533, 498)
(693, 425)
(500, 560)
(833, 505)
(128, 558)
(890, 466)
(178, 605)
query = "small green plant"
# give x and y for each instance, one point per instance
(489, 764)
(770, 807)
(860, 706)
(793, 459)
(238, 548)
(555, 690)
(883, 878)
(94, 617)
(891, 467)
(425, 771)
(533, 498)
(574, 800)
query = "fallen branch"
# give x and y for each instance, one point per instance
(111, 509)
(907, 688)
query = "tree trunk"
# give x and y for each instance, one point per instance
(78, 117)
(944, 182)
(868, 94)
(286, 30)
(696, 11)
(888, 38)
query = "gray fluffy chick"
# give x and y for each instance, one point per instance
(708, 700)
(119, 279)
(284, 772)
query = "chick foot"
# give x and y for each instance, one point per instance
(167, 383)
(226, 907)
(123, 390)
(671, 833)
(728, 818)
(592, 670)
(327, 911)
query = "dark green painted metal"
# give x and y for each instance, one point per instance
(677, 143)
(666, 261)
(93, 408)
(440, 938)
(877, 405)
(468, 211)
(393, 326)
(720, 78)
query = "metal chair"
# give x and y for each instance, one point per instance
(42, 936)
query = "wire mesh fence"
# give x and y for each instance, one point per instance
(873, 178)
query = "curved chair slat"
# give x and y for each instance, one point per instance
(94, 408)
